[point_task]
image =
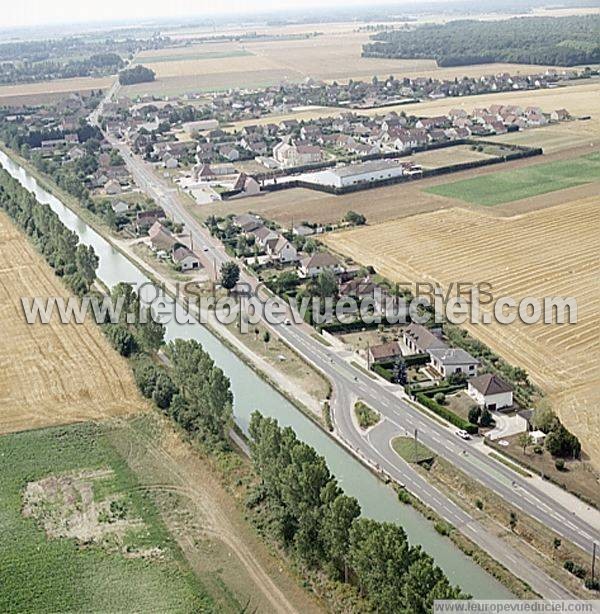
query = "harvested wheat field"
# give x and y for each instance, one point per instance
(44, 92)
(53, 373)
(550, 252)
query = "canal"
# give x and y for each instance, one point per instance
(253, 393)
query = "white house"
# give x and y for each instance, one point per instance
(316, 263)
(246, 186)
(263, 235)
(283, 251)
(185, 258)
(120, 207)
(448, 361)
(419, 339)
(490, 391)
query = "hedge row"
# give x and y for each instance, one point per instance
(348, 327)
(411, 360)
(381, 370)
(446, 414)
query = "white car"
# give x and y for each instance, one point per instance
(463, 434)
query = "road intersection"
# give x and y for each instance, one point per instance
(399, 416)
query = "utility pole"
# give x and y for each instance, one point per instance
(368, 356)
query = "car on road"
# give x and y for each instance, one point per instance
(205, 249)
(288, 322)
(463, 434)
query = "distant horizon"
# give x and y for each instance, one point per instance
(38, 14)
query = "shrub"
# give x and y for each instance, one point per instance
(440, 398)
(442, 528)
(479, 504)
(538, 450)
(592, 585)
(560, 464)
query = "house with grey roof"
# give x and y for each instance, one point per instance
(449, 361)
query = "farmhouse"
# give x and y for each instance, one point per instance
(386, 352)
(490, 391)
(419, 339)
(448, 361)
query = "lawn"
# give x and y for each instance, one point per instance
(127, 560)
(405, 448)
(504, 187)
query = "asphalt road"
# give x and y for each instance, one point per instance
(398, 417)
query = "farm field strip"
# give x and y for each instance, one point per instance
(550, 252)
(507, 186)
(54, 373)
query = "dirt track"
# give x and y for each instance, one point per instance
(167, 466)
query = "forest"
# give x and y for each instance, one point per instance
(564, 41)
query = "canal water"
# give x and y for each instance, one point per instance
(253, 393)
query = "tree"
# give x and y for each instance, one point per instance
(356, 219)
(266, 338)
(164, 391)
(543, 417)
(486, 418)
(513, 521)
(524, 440)
(380, 556)
(325, 284)
(560, 442)
(230, 275)
(474, 414)
(338, 516)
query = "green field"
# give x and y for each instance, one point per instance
(201, 55)
(406, 449)
(504, 187)
(139, 569)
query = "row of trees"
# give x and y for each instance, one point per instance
(193, 391)
(96, 65)
(74, 262)
(565, 41)
(322, 527)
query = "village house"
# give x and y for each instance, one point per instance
(246, 186)
(120, 207)
(448, 361)
(490, 391)
(247, 222)
(161, 239)
(145, 219)
(419, 339)
(314, 264)
(262, 235)
(185, 258)
(385, 352)
(282, 250)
